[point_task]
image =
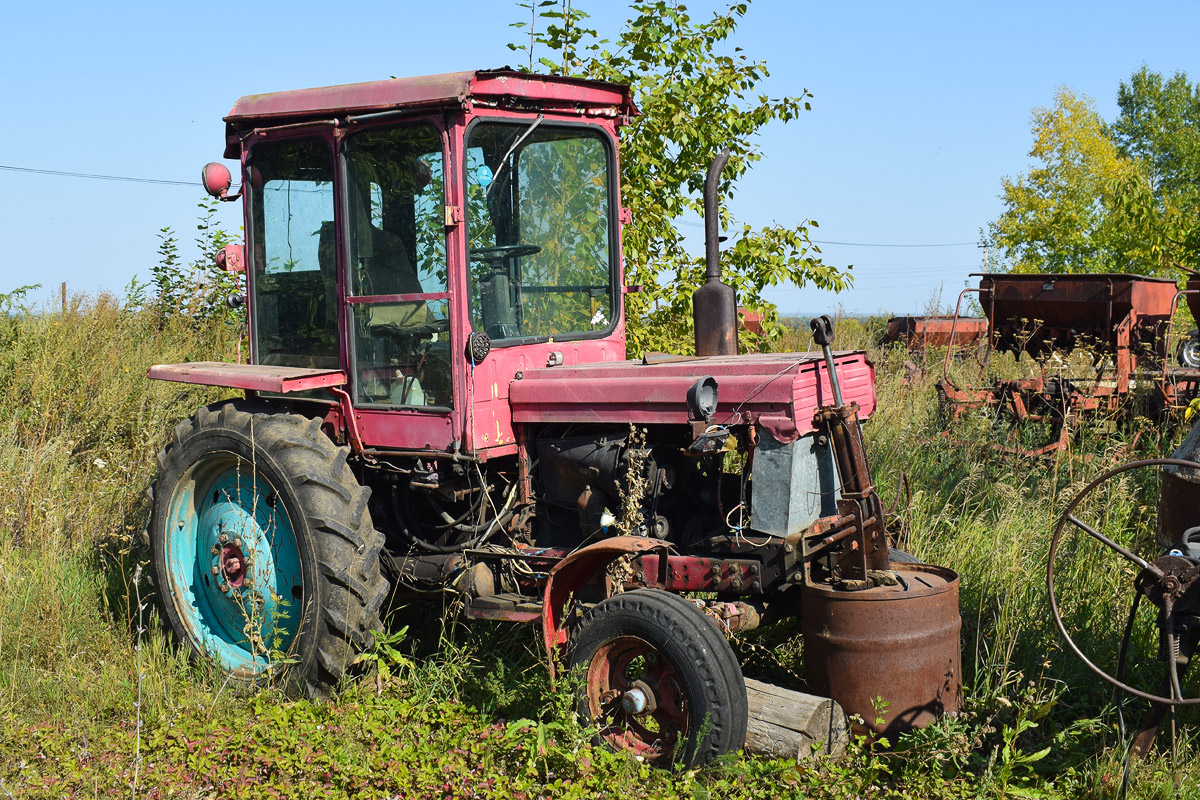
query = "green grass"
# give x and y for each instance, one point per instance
(469, 711)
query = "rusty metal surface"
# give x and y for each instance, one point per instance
(714, 305)
(751, 321)
(900, 644)
(699, 574)
(1179, 493)
(1193, 299)
(1039, 313)
(1123, 316)
(921, 333)
(429, 90)
(570, 574)
(714, 310)
(255, 377)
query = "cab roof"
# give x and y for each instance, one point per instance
(501, 87)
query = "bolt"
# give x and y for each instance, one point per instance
(216, 551)
(216, 570)
(787, 548)
(754, 569)
(223, 538)
(224, 587)
(237, 542)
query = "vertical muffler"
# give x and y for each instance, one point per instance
(714, 305)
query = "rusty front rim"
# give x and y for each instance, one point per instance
(635, 695)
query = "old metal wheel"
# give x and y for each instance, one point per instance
(1189, 352)
(266, 561)
(1168, 582)
(660, 680)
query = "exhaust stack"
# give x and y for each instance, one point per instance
(714, 305)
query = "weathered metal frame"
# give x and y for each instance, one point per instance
(1030, 399)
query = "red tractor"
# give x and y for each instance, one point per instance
(439, 399)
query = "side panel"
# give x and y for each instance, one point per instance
(794, 484)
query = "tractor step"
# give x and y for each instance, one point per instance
(511, 607)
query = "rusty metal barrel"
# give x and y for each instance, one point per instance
(1179, 493)
(896, 643)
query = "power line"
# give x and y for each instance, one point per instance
(127, 179)
(691, 224)
(876, 244)
(122, 178)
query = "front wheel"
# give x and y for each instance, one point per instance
(660, 681)
(266, 560)
(1189, 351)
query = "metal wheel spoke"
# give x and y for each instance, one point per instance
(1136, 559)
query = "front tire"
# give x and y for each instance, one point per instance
(266, 561)
(661, 681)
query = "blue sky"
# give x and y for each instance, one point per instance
(919, 110)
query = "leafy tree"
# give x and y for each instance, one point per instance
(198, 289)
(694, 98)
(1119, 198)
(1057, 216)
(1159, 125)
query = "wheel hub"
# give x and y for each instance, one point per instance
(1172, 580)
(233, 565)
(639, 699)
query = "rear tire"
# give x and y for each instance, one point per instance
(665, 648)
(266, 561)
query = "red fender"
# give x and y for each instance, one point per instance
(573, 572)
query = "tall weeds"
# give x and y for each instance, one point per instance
(80, 426)
(79, 430)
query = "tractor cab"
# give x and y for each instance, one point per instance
(388, 224)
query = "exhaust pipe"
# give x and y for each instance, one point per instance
(714, 305)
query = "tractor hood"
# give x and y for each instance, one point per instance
(780, 391)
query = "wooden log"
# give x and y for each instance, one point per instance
(787, 724)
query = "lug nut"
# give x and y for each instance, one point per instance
(216, 551)
(216, 570)
(237, 542)
(223, 538)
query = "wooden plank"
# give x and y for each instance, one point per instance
(788, 724)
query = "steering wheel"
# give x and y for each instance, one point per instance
(503, 251)
(407, 331)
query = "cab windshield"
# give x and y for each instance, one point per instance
(540, 233)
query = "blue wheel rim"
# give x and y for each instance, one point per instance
(233, 567)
